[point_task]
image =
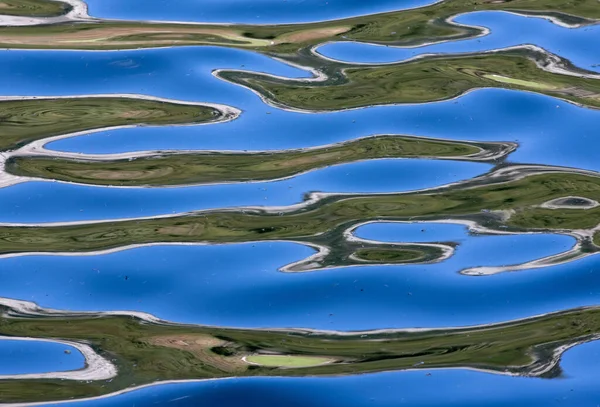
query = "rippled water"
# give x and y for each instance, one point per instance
(299, 203)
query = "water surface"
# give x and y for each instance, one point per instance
(242, 11)
(240, 285)
(425, 279)
(505, 30)
(26, 357)
(453, 388)
(39, 202)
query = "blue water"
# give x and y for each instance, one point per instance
(44, 201)
(243, 11)
(472, 249)
(506, 30)
(413, 232)
(240, 285)
(244, 284)
(459, 388)
(543, 127)
(25, 357)
(179, 73)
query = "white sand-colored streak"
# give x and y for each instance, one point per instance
(96, 367)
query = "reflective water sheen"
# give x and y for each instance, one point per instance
(299, 203)
(454, 388)
(505, 30)
(21, 357)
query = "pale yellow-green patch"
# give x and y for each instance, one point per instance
(519, 82)
(286, 360)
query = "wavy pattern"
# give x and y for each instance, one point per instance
(511, 198)
(29, 119)
(531, 347)
(426, 80)
(337, 226)
(214, 167)
(503, 30)
(405, 28)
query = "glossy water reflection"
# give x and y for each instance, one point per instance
(453, 388)
(37, 202)
(307, 203)
(544, 131)
(21, 357)
(240, 285)
(175, 73)
(242, 11)
(505, 30)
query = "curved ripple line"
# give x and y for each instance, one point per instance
(280, 38)
(577, 252)
(552, 63)
(24, 308)
(484, 31)
(543, 59)
(538, 371)
(489, 152)
(227, 113)
(499, 175)
(340, 235)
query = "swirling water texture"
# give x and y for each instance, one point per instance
(387, 202)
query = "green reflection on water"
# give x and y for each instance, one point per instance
(513, 203)
(146, 352)
(33, 8)
(26, 120)
(407, 27)
(214, 167)
(423, 80)
(388, 256)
